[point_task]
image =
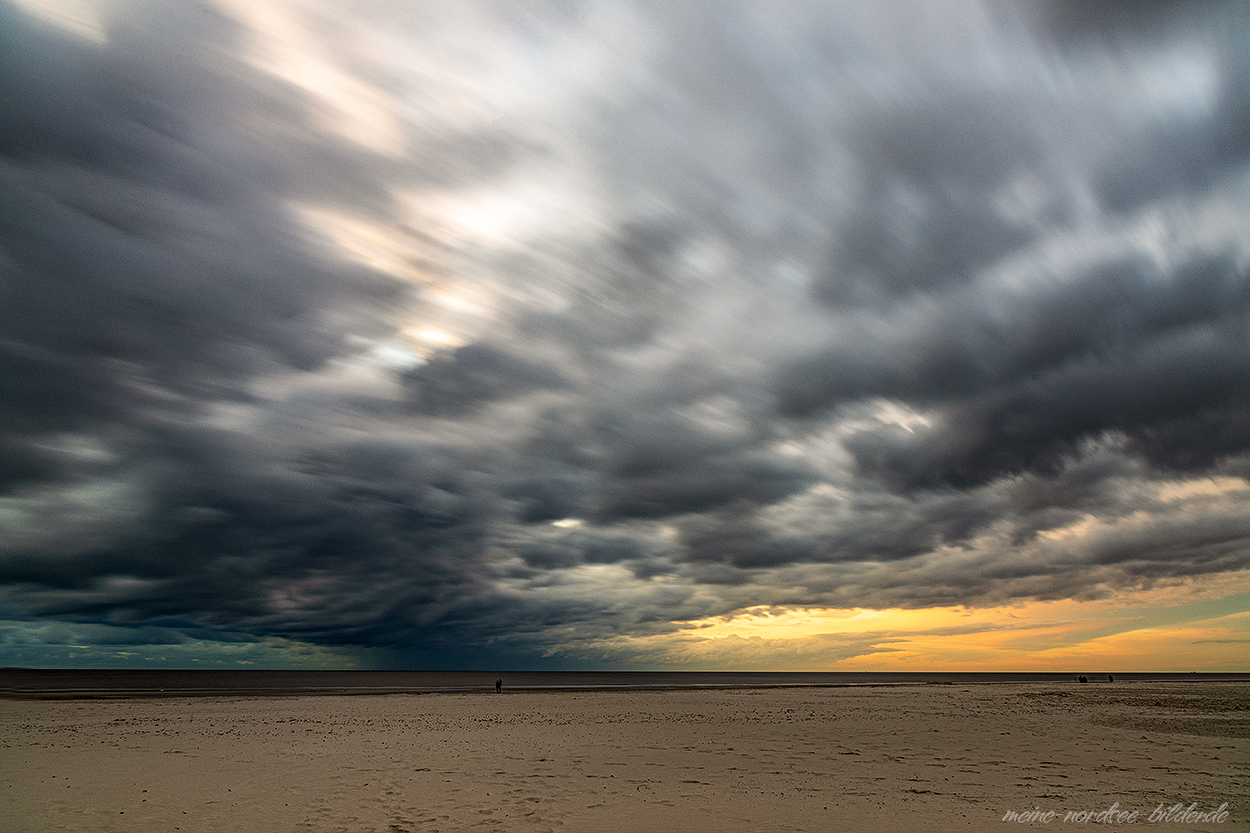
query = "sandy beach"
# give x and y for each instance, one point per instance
(944, 757)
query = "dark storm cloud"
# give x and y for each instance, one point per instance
(985, 336)
(1034, 424)
(144, 240)
(922, 219)
(798, 304)
(1115, 19)
(1124, 348)
(150, 271)
(1186, 158)
(457, 383)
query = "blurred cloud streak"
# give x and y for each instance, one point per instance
(531, 334)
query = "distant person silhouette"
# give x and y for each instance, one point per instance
(498, 686)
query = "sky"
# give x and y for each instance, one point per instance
(598, 334)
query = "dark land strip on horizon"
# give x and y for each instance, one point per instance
(28, 683)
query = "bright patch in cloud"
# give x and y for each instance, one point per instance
(83, 18)
(285, 42)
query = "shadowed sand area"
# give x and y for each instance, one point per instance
(945, 757)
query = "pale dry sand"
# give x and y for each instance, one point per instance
(880, 758)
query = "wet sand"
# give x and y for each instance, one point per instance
(943, 757)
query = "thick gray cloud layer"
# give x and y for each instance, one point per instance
(612, 315)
